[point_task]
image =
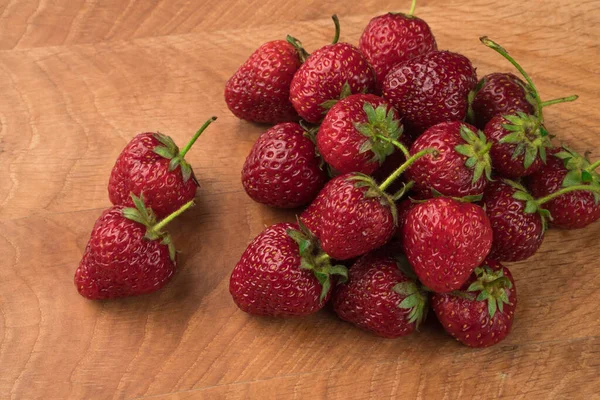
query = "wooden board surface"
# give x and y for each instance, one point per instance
(79, 78)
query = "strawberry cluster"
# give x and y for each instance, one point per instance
(419, 181)
(129, 253)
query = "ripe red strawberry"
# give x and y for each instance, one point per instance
(393, 38)
(566, 169)
(499, 93)
(283, 169)
(461, 166)
(516, 219)
(128, 254)
(483, 313)
(356, 133)
(430, 89)
(283, 273)
(444, 240)
(519, 140)
(259, 90)
(351, 216)
(320, 81)
(382, 296)
(152, 165)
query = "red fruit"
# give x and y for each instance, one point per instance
(283, 169)
(483, 314)
(460, 167)
(393, 38)
(330, 73)
(430, 89)
(152, 165)
(500, 93)
(517, 149)
(127, 254)
(352, 137)
(565, 168)
(282, 273)
(351, 216)
(517, 222)
(519, 139)
(444, 240)
(259, 90)
(381, 296)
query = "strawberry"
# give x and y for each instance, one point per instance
(482, 313)
(152, 164)
(564, 169)
(444, 240)
(519, 140)
(393, 38)
(283, 273)
(356, 133)
(128, 254)
(460, 167)
(430, 89)
(382, 296)
(351, 216)
(283, 169)
(499, 93)
(259, 90)
(331, 72)
(517, 221)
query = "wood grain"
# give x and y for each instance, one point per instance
(80, 78)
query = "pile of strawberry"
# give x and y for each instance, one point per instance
(129, 253)
(420, 181)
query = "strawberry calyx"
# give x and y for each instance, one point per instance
(154, 230)
(316, 260)
(302, 53)
(580, 170)
(169, 150)
(345, 92)
(375, 192)
(465, 199)
(416, 299)
(380, 124)
(491, 286)
(477, 151)
(530, 137)
(531, 204)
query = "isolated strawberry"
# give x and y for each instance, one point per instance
(320, 81)
(430, 89)
(392, 38)
(283, 273)
(566, 169)
(461, 165)
(356, 134)
(481, 314)
(283, 169)
(259, 90)
(499, 93)
(151, 164)
(517, 221)
(444, 240)
(519, 140)
(128, 253)
(382, 296)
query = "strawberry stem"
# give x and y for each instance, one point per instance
(189, 145)
(336, 21)
(385, 184)
(565, 190)
(160, 225)
(395, 143)
(321, 258)
(412, 7)
(500, 50)
(560, 100)
(302, 53)
(594, 166)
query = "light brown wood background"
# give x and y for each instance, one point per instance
(78, 78)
